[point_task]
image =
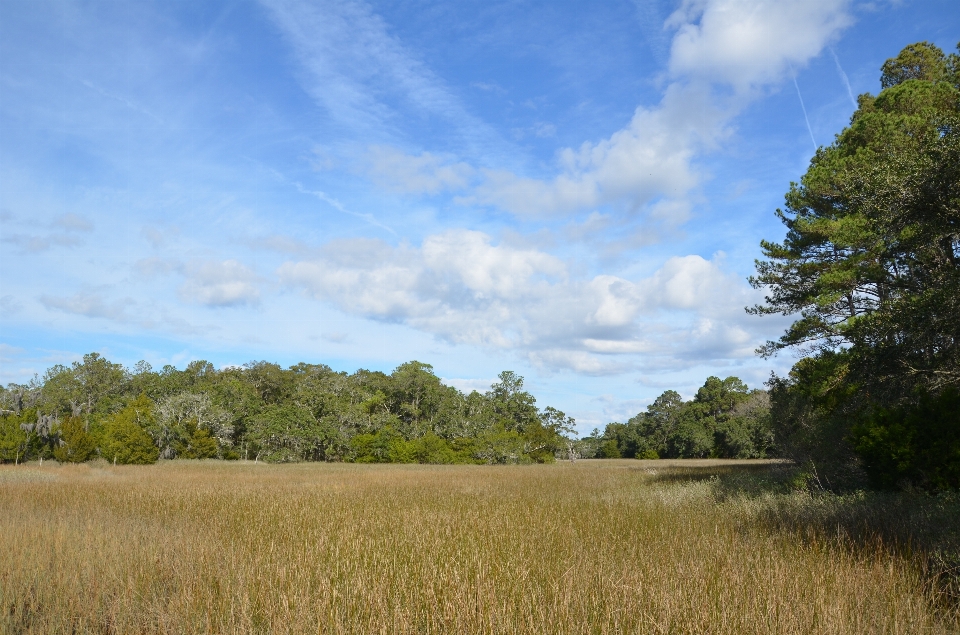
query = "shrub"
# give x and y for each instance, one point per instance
(125, 440)
(917, 444)
(76, 444)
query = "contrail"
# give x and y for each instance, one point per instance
(337, 205)
(323, 196)
(805, 118)
(843, 76)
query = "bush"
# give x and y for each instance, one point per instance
(917, 444)
(124, 439)
(76, 444)
(13, 440)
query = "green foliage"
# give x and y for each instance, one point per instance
(76, 444)
(871, 263)
(498, 445)
(287, 432)
(13, 440)
(124, 438)
(260, 411)
(917, 444)
(922, 61)
(724, 420)
(609, 449)
(812, 411)
(871, 260)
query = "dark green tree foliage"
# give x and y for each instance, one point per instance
(725, 419)
(871, 263)
(919, 444)
(76, 444)
(124, 438)
(260, 411)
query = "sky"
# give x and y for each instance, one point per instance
(573, 191)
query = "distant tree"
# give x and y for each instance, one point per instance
(93, 386)
(190, 425)
(13, 439)
(43, 435)
(724, 420)
(76, 444)
(288, 433)
(125, 439)
(515, 408)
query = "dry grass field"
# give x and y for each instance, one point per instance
(595, 547)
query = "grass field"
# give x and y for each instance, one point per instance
(595, 547)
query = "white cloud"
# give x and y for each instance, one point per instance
(219, 284)
(650, 165)
(722, 53)
(461, 287)
(748, 44)
(124, 311)
(62, 232)
(91, 304)
(692, 283)
(422, 174)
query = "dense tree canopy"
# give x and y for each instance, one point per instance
(871, 263)
(725, 419)
(261, 411)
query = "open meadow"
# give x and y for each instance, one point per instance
(594, 547)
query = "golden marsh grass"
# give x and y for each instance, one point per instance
(595, 547)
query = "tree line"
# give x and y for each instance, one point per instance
(308, 412)
(725, 419)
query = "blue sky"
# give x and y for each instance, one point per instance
(574, 191)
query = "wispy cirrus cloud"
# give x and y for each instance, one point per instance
(366, 78)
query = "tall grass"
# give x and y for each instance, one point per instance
(596, 547)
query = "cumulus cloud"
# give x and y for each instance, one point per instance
(648, 161)
(219, 284)
(208, 283)
(650, 165)
(751, 43)
(462, 287)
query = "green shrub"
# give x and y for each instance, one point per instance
(917, 444)
(76, 444)
(124, 439)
